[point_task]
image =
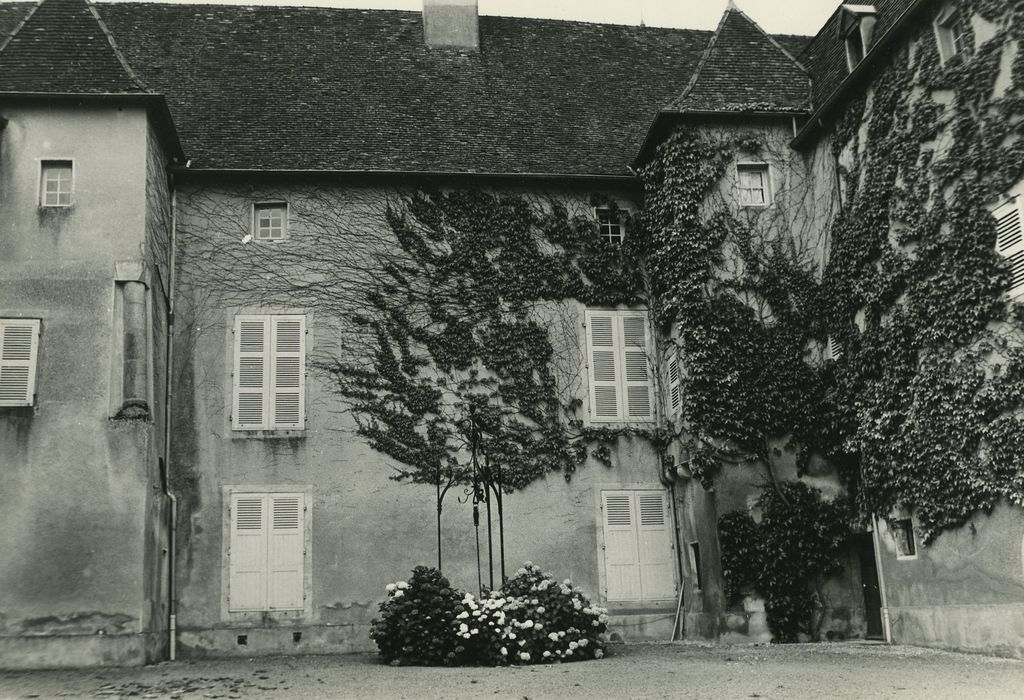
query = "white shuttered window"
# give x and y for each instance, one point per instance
(269, 378)
(19, 348)
(1010, 242)
(637, 546)
(267, 552)
(619, 368)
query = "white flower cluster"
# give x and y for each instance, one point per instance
(396, 589)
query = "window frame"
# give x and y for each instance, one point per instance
(950, 43)
(621, 382)
(619, 213)
(908, 538)
(269, 363)
(32, 361)
(749, 166)
(268, 205)
(44, 164)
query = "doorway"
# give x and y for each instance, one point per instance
(865, 546)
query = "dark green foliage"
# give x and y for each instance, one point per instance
(922, 397)
(744, 337)
(794, 547)
(461, 322)
(417, 626)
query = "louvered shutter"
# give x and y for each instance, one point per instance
(247, 585)
(835, 350)
(675, 391)
(621, 556)
(288, 383)
(251, 409)
(604, 371)
(19, 346)
(636, 370)
(655, 546)
(1010, 242)
(286, 552)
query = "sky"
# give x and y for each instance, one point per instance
(775, 16)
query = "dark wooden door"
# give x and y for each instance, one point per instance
(869, 584)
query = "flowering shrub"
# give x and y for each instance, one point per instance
(532, 619)
(417, 621)
(552, 621)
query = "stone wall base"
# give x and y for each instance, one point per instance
(74, 651)
(997, 630)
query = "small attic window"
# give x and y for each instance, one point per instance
(270, 221)
(952, 33)
(856, 26)
(610, 227)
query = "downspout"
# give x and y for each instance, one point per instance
(172, 594)
(886, 624)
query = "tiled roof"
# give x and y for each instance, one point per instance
(744, 69)
(289, 88)
(61, 47)
(825, 54)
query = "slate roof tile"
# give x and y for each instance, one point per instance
(62, 47)
(825, 54)
(291, 88)
(744, 69)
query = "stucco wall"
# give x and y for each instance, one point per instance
(965, 590)
(76, 484)
(367, 530)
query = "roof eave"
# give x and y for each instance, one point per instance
(392, 173)
(666, 115)
(874, 56)
(163, 121)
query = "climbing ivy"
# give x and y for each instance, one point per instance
(466, 367)
(929, 381)
(786, 556)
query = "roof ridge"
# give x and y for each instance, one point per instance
(28, 15)
(113, 45)
(703, 58)
(769, 37)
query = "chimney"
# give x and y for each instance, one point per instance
(451, 24)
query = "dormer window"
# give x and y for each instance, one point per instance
(952, 33)
(856, 26)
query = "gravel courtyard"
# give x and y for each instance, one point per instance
(850, 670)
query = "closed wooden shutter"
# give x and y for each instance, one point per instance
(655, 545)
(621, 555)
(1010, 242)
(675, 390)
(603, 358)
(247, 557)
(251, 410)
(19, 347)
(288, 371)
(637, 546)
(636, 369)
(286, 552)
(267, 552)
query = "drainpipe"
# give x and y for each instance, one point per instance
(886, 625)
(172, 595)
